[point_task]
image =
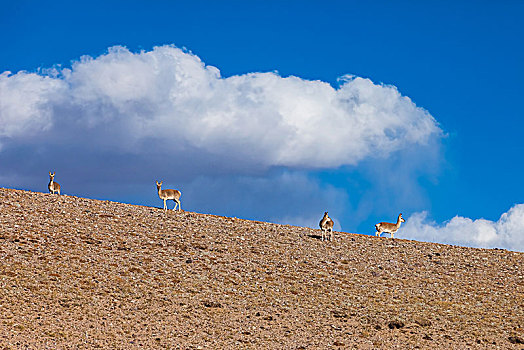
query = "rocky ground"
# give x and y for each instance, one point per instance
(77, 273)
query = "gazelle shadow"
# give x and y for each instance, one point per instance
(315, 236)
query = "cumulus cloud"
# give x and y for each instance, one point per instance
(122, 101)
(507, 232)
(26, 103)
(251, 145)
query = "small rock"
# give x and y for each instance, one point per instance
(516, 340)
(212, 304)
(422, 322)
(339, 314)
(395, 324)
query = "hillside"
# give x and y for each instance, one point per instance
(83, 274)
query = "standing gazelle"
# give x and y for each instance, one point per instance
(326, 225)
(169, 194)
(389, 227)
(53, 186)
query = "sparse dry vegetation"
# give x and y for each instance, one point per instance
(84, 274)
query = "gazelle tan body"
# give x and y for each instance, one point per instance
(326, 225)
(53, 186)
(169, 194)
(389, 227)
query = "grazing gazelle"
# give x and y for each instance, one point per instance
(169, 194)
(53, 186)
(389, 227)
(326, 224)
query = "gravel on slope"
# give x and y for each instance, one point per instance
(78, 273)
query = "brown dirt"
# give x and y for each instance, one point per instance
(83, 274)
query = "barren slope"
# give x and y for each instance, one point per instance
(79, 273)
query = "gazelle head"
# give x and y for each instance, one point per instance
(401, 218)
(159, 184)
(325, 214)
(51, 175)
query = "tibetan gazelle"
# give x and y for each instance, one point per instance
(389, 227)
(326, 225)
(53, 186)
(169, 194)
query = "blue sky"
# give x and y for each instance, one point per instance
(460, 62)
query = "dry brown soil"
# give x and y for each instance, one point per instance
(78, 273)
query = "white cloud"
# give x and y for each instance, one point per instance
(252, 145)
(507, 232)
(26, 101)
(168, 99)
